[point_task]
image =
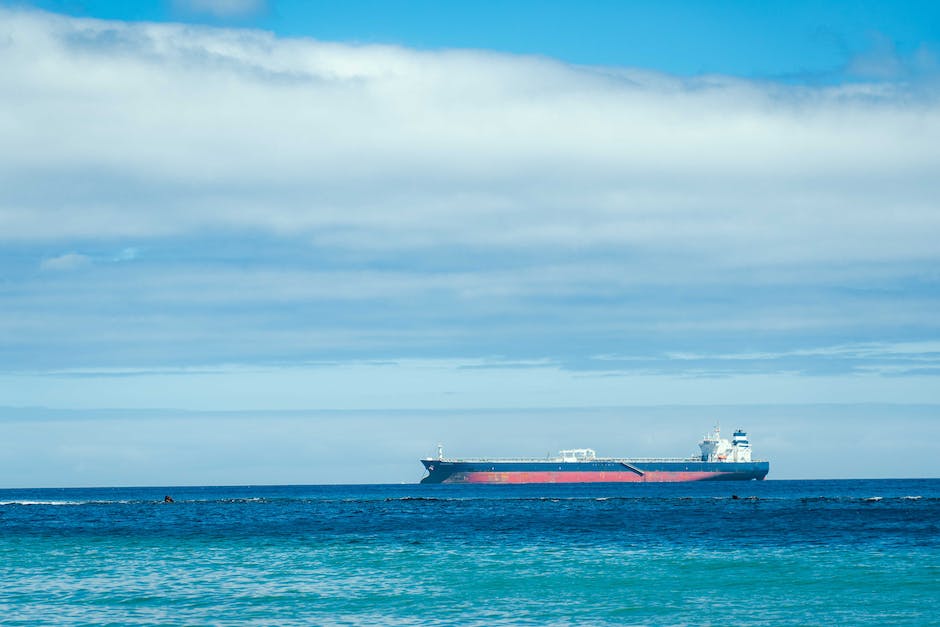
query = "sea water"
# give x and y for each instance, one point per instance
(773, 553)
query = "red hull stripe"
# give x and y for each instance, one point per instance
(579, 477)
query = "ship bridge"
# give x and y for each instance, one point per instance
(577, 455)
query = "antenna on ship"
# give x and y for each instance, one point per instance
(440, 451)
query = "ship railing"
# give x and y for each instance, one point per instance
(695, 458)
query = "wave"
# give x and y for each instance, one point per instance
(252, 499)
(64, 503)
(611, 499)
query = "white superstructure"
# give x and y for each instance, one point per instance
(717, 449)
(578, 455)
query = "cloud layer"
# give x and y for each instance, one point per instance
(138, 130)
(221, 8)
(227, 196)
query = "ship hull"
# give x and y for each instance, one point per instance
(599, 471)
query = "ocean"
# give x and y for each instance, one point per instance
(852, 552)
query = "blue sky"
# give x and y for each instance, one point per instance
(565, 219)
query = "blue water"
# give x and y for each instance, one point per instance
(783, 552)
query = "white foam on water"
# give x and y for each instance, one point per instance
(44, 502)
(57, 503)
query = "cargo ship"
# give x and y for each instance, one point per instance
(720, 460)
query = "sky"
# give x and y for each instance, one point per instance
(247, 242)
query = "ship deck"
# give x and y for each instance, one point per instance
(561, 460)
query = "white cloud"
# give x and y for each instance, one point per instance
(883, 60)
(126, 254)
(154, 130)
(303, 200)
(925, 351)
(442, 384)
(68, 261)
(920, 358)
(221, 8)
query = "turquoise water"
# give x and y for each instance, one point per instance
(800, 552)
